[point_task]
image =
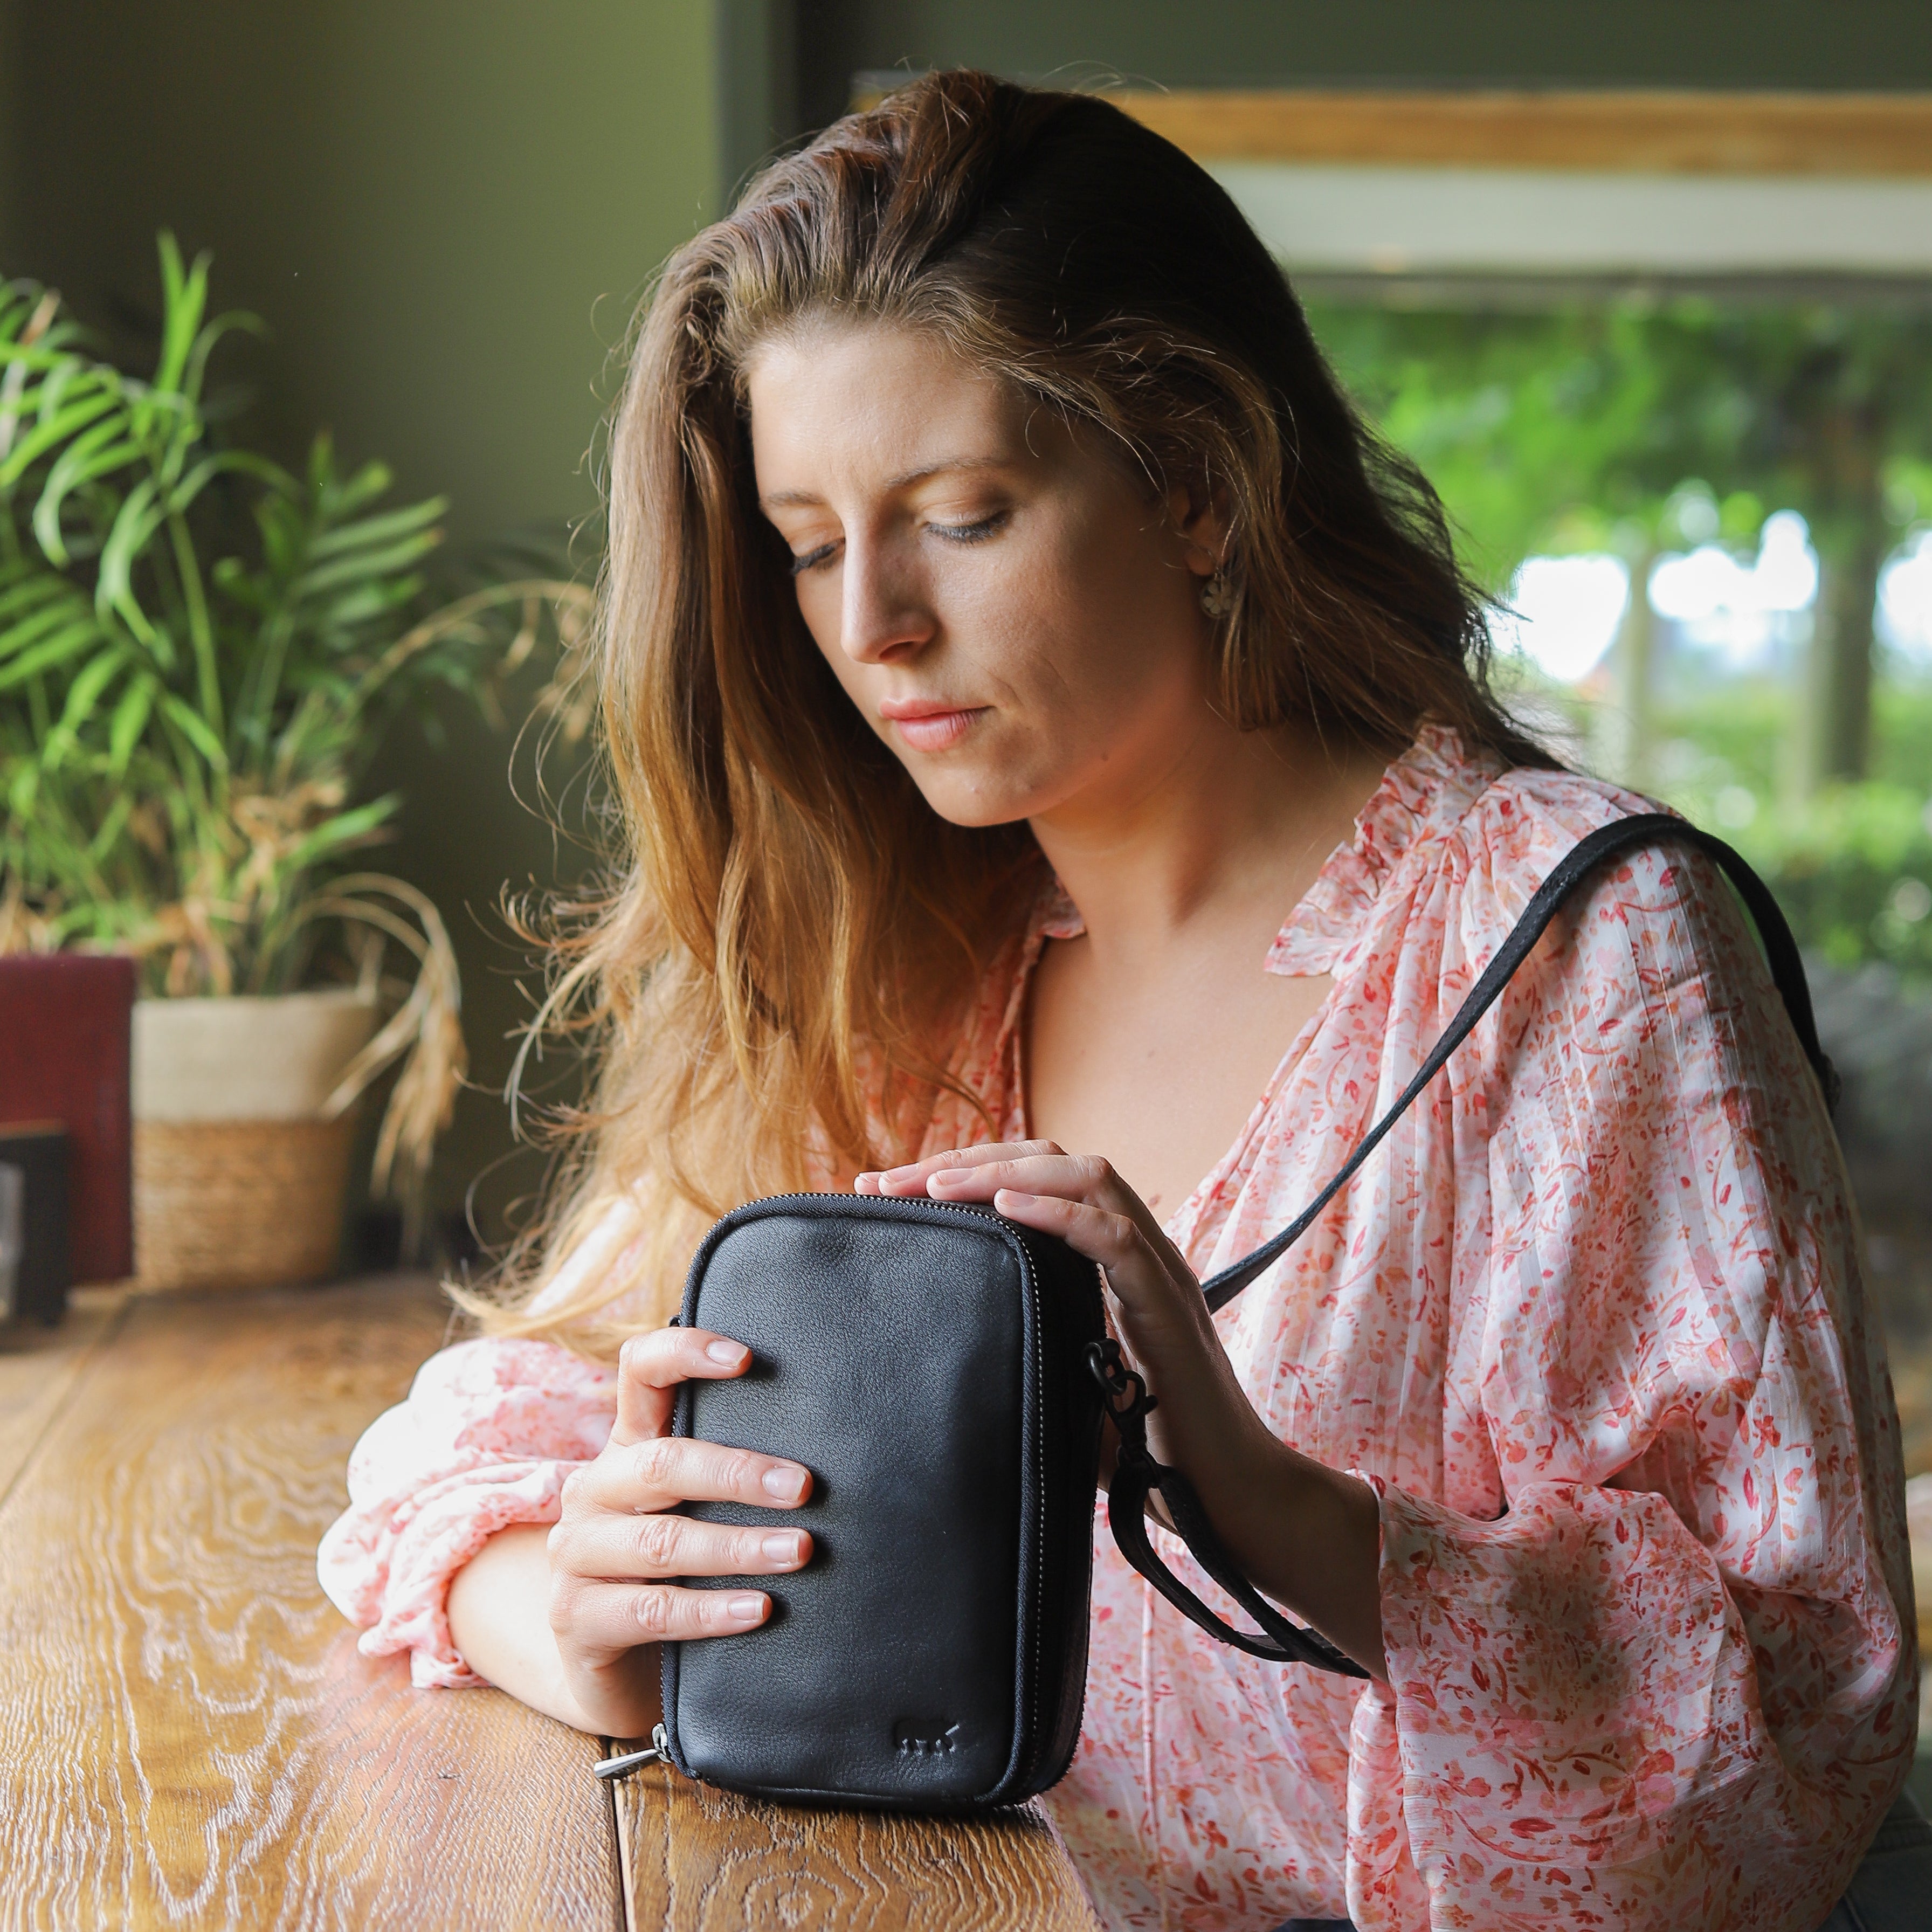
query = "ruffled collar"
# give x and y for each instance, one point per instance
(1426, 789)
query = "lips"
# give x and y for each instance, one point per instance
(930, 725)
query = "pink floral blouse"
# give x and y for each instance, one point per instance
(1590, 1321)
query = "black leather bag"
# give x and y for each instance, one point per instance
(942, 1372)
(926, 1362)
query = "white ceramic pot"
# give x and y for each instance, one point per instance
(238, 1180)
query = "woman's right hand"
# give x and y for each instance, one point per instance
(616, 1539)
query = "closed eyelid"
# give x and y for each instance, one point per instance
(982, 525)
(809, 560)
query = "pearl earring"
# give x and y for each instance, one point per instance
(1217, 594)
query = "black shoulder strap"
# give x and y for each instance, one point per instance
(1607, 841)
(1136, 1474)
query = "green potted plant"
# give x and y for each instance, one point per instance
(200, 653)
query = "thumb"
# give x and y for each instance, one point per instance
(650, 1368)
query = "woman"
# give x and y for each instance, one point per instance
(1044, 719)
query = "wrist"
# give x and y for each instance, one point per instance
(499, 1619)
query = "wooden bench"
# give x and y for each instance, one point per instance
(188, 1737)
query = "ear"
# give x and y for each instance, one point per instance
(1199, 512)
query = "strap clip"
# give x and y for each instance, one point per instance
(1124, 1393)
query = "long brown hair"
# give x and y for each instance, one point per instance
(794, 928)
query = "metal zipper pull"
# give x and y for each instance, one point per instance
(658, 1749)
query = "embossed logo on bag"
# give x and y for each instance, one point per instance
(925, 1737)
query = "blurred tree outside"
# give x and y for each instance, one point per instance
(1562, 433)
(1644, 429)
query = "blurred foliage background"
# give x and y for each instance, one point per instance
(1645, 430)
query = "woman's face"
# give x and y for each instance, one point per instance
(1010, 610)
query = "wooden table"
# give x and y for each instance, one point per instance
(188, 1737)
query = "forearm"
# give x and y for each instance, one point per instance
(1310, 1538)
(1306, 1535)
(499, 1617)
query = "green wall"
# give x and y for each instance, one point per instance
(443, 210)
(445, 213)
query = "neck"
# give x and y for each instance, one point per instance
(1230, 828)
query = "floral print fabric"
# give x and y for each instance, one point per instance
(1591, 1323)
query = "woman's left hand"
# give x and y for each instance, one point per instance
(1270, 1504)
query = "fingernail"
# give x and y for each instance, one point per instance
(901, 1173)
(946, 1174)
(1013, 1195)
(787, 1485)
(745, 1609)
(780, 1547)
(725, 1352)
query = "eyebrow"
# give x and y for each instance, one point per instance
(789, 499)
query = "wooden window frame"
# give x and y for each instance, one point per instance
(1602, 131)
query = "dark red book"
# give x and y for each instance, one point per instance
(65, 1023)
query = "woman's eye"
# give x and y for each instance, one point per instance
(812, 559)
(975, 532)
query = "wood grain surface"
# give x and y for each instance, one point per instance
(190, 1738)
(698, 1860)
(38, 1368)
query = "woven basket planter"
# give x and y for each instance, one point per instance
(238, 1204)
(238, 1181)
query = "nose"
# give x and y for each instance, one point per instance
(884, 614)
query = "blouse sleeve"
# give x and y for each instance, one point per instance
(489, 1431)
(1670, 1684)
(484, 1440)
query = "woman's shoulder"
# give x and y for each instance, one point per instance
(1515, 831)
(1659, 913)
(1451, 841)
(1529, 814)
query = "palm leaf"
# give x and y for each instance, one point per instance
(373, 531)
(112, 826)
(141, 514)
(21, 790)
(98, 451)
(69, 606)
(50, 431)
(82, 695)
(195, 728)
(184, 299)
(345, 829)
(359, 565)
(54, 651)
(130, 720)
(32, 585)
(205, 344)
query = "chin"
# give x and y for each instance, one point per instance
(975, 804)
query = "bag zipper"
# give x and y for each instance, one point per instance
(622, 1765)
